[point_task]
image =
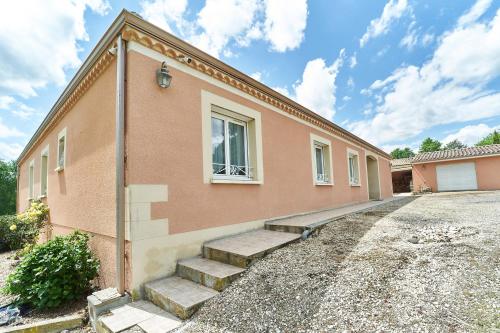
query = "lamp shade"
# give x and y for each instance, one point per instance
(163, 77)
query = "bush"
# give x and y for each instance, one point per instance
(58, 271)
(23, 230)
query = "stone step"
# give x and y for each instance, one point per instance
(137, 316)
(299, 223)
(210, 273)
(178, 296)
(241, 250)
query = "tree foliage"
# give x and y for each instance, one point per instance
(429, 145)
(455, 144)
(8, 187)
(492, 138)
(402, 153)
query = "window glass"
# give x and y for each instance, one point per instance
(319, 162)
(218, 147)
(353, 169)
(60, 160)
(237, 149)
(31, 176)
(44, 180)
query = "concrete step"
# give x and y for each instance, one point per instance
(141, 315)
(178, 296)
(210, 273)
(241, 250)
(299, 223)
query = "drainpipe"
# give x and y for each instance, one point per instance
(120, 165)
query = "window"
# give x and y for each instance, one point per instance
(31, 179)
(44, 171)
(321, 160)
(229, 147)
(61, 150)
(321, 175)
(353, 167)
(232, 142)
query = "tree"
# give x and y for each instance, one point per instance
(455, 144)
(429, 145)
(8, 187)
(402, 153)
(492, 138)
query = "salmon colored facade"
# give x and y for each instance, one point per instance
(487, 169)
(172, 202)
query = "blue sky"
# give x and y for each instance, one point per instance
(391, 71)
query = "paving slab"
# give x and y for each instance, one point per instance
(240, 250)
(178, 296)
(299, 223)
(143, 314)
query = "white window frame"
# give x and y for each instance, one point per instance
(351, 153)
(227, 153)
(214, 104)
(326, 145)
(44, 192)
(31, 180)
(61, 135)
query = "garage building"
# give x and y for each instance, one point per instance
(471, 168)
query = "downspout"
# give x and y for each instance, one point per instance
(120, 165)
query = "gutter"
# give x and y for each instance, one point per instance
(120, 165)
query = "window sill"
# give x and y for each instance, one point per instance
(42, 196)
(59, 169)
(235, 181)
(355, 185)
(323, 184)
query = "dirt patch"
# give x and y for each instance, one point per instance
(361, 274)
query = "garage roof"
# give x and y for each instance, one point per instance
(401, 164)
(457, 153)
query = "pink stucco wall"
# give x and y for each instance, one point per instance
(83, 195)
(487, 169)
(164, 146)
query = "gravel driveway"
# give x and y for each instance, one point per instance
(430, 264)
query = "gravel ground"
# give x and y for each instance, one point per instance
(7, 262)
(430, 264)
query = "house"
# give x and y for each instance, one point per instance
(471, 168)
(155, 147)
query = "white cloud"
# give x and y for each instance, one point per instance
(256, 76)
(472, 134)
(222, 24)
(393, 10)
(8, 132)
(285, 23)
(451, 87)
(410, 40)
(165, 13)
(317, 89)
(15, 107)
(427, 39)
(10, 151)
(475, 12)
(38, 42)
(346, 98)
(353, 61)
(238, 18)
(350, 82)
(283, 90)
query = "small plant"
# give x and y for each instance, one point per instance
(53, 273)
(23, 230)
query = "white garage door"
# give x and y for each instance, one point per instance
(456, 177)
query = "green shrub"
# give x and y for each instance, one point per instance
(23, 230)
(58, 271)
